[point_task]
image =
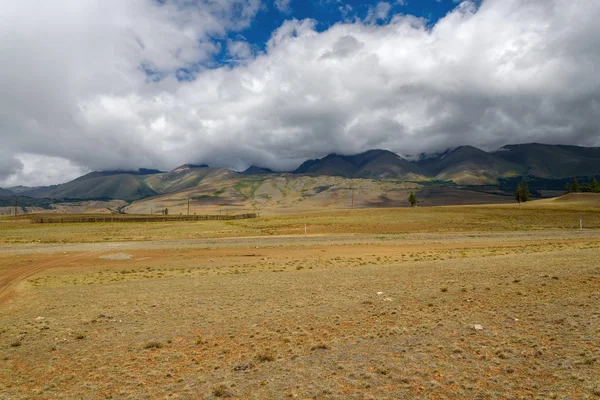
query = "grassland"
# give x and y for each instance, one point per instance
(494, 302)
(539, 215)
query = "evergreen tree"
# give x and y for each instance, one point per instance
(573, 187)
(522, 194)
(593, 186)
(525, 194)
(412, 199)
(518, 193)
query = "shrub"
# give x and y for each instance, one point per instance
(153, 345)
(265, 356)
(221, 391)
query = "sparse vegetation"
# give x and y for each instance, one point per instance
(265, 356)
(367, 313)
(153, 345)
(221, 391)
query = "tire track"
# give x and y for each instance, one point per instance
(10, 280)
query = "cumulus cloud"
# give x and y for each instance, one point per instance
(378, 13)
(283, 5)
(35, 170)
(95, 83)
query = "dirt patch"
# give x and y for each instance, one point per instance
(117, 256)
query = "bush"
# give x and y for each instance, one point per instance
(153, 345)
(221, 391)
(265, 356)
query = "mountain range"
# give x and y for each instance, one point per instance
(465, 165)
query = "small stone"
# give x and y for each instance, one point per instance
(39, 319)
(379, 293)
(478, 327)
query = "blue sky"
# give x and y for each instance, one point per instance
(329, 12)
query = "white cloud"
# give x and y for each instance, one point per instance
(39, 170)
(378, 13)
(71, 85)
(239, 50)
(283, 5)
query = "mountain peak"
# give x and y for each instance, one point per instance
(254, 170)
(189, 166)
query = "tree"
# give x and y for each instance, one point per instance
(573, 187)
(522, 194)
(593, 186)
(412, 199)
(166, 211)
(525, 194)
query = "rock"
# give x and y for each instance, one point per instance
(478, 327)
(243, 367)
(379, 293)
(388, 299)
(39, 319)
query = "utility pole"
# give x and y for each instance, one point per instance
(352, 190)
(188, 206)
(16, 206)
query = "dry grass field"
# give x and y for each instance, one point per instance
(473, 302)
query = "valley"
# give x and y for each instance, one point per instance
(428, 302)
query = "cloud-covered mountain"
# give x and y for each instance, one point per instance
(105, 84)
(373, 164)
(254, 170)
(553, 161)
(464, 165)
(6, 192)
(469, 165)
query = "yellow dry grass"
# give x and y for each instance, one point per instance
(553, 214)
(470, 302)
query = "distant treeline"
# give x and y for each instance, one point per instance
(537, 184)
(21, 201)
(53, 219)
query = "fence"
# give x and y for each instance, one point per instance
(135, 218)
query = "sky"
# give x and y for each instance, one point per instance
(109, 84)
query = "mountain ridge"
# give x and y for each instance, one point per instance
(463, 165)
